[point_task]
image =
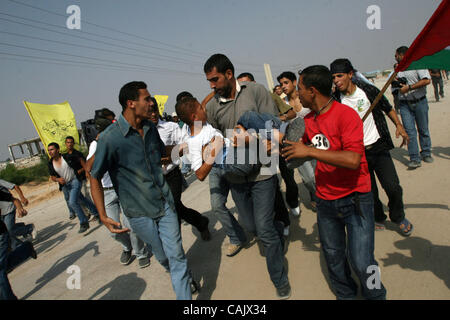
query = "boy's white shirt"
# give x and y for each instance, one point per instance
(196, 143)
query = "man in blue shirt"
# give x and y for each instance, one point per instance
(131, 150)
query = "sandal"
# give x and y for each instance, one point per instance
(380, 226)
(406, 224)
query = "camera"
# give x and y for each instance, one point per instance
(399, 82)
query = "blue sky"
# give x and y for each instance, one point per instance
(171, 42)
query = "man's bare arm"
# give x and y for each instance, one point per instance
(343, 159)
(99, 200)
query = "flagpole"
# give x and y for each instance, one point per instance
(380, 95)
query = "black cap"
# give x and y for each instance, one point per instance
(341, 66)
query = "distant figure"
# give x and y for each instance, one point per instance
(65, 170)
(436, 79)
(10, 259)
(413, 107)
(8, 214)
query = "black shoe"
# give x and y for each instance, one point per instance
(144, 262)
(125, 257)
(72, 216)
(284, 292)
(194, 286)
(33, 253)
(83, 227)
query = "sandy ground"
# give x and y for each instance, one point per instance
(412, 268)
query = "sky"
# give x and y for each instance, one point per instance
(166, 43)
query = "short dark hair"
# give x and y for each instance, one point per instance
(69, 138)
(246, 74)
(342, 65)
(105, 112)
(53, 144)
(220, 62)
(402, 49)
(130, 91)
(185, 108)
(184, 94)
(288, 75)
(155, 104)
(318, 77)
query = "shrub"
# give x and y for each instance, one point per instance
(36, 173)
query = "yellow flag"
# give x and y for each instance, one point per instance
(161, 102)
(54, 123)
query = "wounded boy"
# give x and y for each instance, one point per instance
(206, 146)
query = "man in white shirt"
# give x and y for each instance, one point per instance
(171, 134)
(377, 141)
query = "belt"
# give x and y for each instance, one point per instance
(413, 100)
(370, 146)
(108, 188)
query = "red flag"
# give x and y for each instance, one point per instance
(433, 38)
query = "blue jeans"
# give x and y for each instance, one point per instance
(255, 204)
(307, 172)
(261, 122)
(72, 191)
(412, 114)
(219, 188)
(129, 241)
(333, 218)
(164, 237)
(8, 260)
(15, 229)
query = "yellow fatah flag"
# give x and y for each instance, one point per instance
(53, 123)
(161, 102)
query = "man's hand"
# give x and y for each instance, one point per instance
(61, 181)
(24, 201)
(295, 150)
(21, 212)
(404, 89)
(113, 226)
(400, 131)
(212, 149)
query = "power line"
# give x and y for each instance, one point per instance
(88, 47)
(97, 59)
(109, 28)
(84, 38)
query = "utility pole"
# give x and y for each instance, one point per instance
(268, 76)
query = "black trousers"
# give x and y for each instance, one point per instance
(380, 163)
(291, 186)
(191, 216)
(281, 212)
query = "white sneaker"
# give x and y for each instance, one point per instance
(295, 211)
(33, 232)
(286, 231)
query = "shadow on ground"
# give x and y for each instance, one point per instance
(124, 287)
(424, 256)
(61, 266)
(206, 251)
(46, 241)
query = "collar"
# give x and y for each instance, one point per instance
(238, 89)
(125, 126)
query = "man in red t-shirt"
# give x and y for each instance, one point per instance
(345, 203)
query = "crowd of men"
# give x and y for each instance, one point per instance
(134, 168)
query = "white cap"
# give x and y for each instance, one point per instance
(174, 114)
